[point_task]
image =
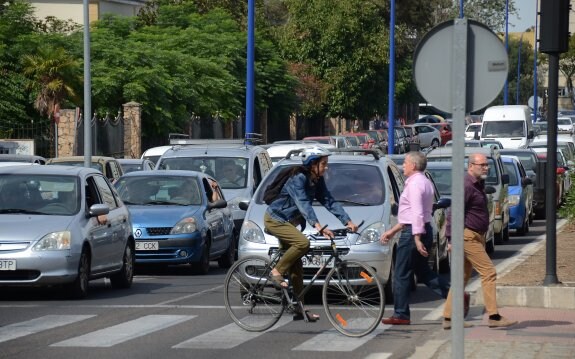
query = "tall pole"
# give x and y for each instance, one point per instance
(250, 77)
(506, 87)
(87, 88)
(391, 89)
(519, 70)
(535, 97)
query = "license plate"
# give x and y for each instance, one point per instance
(7, 264)
(147, 246)
(314, 261)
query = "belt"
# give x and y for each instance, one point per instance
(478, 232)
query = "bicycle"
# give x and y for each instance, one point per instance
(352, 296)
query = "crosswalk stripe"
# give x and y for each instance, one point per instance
(123, 332)
(227, 337)
(334, 341)
(37, 325)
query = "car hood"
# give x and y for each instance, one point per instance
(368, 214)
(30, 227)
(514, 190)
(160, 216)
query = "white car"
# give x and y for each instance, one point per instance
(428, 136)
(564, 125)
(471, 129)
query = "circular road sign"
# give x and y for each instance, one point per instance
(487, 66)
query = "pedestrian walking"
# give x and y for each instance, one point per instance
(415, 241)
(476, 223)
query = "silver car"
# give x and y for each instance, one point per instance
(63, 225)
(368, 187)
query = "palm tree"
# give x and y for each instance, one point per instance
(53, 77)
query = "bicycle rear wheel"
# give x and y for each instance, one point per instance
(353, 298)
(250, 298)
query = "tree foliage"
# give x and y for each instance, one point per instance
(567, 67)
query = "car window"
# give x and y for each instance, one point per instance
(510, 169)
(106, 193)
(230, 172)
(153, 190)
(442, 179)
(503, 128)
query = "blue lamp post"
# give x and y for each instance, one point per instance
(535, 97)
(250, 77)
(519, 70)
(506, 88)
(391, 88)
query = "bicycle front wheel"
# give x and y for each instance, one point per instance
(250, 298)
(353, 298)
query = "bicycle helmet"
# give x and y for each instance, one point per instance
(311, 154)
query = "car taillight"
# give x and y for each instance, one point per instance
(497, 208)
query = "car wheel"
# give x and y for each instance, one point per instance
(228, 258)
(498, 237)
(389, 285)
(490, 246)
(78, 289)
(506, 233)
(435, 143)
(124, 278)
(203, 265)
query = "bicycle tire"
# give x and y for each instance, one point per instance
(250, 298)
(353, 298)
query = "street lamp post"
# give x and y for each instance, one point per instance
(519, 70)
(391, 88)
(535, 97)
(506, 87)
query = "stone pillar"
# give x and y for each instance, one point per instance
(293, 126)
(67, 133)
(132, 130)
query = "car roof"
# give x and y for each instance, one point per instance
(165, 173)
(448, 151)
(208, 150)
(49, 170)
(342, 155)
(81, 158)
(22, 158)
(131, 160)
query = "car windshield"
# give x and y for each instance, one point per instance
(350, 184)
(442, 179)
(131, 167)
(473, 128)
(491, 175)
(154, 190)
(94, 165)
(39, 194)
(564, 121)
(527, 159)
(503, 129)
(510, 170)
(231, 172)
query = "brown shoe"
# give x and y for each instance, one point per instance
(396, 321)
(501, 323)
(447, 324)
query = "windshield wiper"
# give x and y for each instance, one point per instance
(20, 210)
(160, 202)
(354, 202)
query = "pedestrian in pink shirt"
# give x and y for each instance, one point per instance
(416, 239)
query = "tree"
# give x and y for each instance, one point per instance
(567, 67)
(488, 12)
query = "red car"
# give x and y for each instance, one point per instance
(445, 131)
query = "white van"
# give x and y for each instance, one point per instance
(153, 154)
(511, 125)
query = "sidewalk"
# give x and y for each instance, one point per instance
(545, 315)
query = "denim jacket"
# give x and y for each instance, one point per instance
(296, 198)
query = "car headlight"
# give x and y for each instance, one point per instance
(371, 234)
(54, 241)
(186, 225)
(514, 200)
(251, 232)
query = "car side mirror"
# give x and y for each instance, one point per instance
(442, 203)
(476, 135)
(530, 135)
(243, 205)
(560, 170)
(394, 209)
(526, 181)
(220, 203)
(98, 210)
(505, 179)
(489, 190)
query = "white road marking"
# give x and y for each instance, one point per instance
(21, 329)
(227, 337)
(123, 332)
(191, 295)
(333, 341)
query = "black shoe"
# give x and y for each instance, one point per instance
(311, 317)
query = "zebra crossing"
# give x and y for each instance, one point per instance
(228, 336)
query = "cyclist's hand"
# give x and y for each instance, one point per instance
(352, 226)
(328, 234)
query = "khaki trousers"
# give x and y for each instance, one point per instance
(295, 245)
(475, 257)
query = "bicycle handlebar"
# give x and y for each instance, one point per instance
(341, 231)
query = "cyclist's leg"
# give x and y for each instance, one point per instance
(293, 241)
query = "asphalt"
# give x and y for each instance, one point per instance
(545, 315)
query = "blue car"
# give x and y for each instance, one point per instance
(520, 194)
(178, 217)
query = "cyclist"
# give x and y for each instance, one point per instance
(286, 212)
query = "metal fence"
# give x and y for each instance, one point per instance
(107, 135)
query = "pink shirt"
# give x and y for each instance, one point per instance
(416, 202)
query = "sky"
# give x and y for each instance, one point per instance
(526, 9)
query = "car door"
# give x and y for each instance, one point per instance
(215, 221)
(112, 247)
(527, 189)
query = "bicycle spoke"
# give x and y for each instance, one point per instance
(353, 299)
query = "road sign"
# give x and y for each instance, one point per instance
(487, 66)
